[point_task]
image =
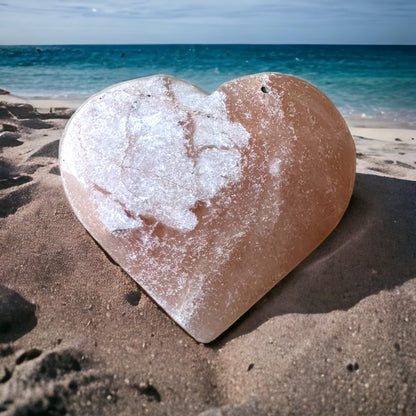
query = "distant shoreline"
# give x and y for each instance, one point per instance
(210, 44)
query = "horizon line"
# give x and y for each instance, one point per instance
(209, 44)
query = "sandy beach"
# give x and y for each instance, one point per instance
(79, 337)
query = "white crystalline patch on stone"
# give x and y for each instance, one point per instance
(156, 149)
(274, 167)
(113, 214)
(212, 127)
(216, 168)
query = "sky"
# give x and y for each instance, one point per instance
(48, 22)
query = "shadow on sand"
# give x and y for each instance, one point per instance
(17, 315)
(372, 249)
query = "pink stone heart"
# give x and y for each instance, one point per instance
(208, 200)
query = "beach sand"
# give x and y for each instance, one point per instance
(79, 337)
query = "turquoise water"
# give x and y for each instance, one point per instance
(378, 81)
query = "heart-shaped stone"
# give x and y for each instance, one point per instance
(208, 200)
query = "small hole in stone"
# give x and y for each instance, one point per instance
(264, 89)
(250, 367)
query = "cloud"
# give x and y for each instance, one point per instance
(188, 21)
(233, 9)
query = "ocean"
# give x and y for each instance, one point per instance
(364, 82)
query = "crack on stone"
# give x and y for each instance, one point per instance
(102, 190)
(130, 214)
(188, 128)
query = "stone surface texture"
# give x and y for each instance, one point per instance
(208, 200)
